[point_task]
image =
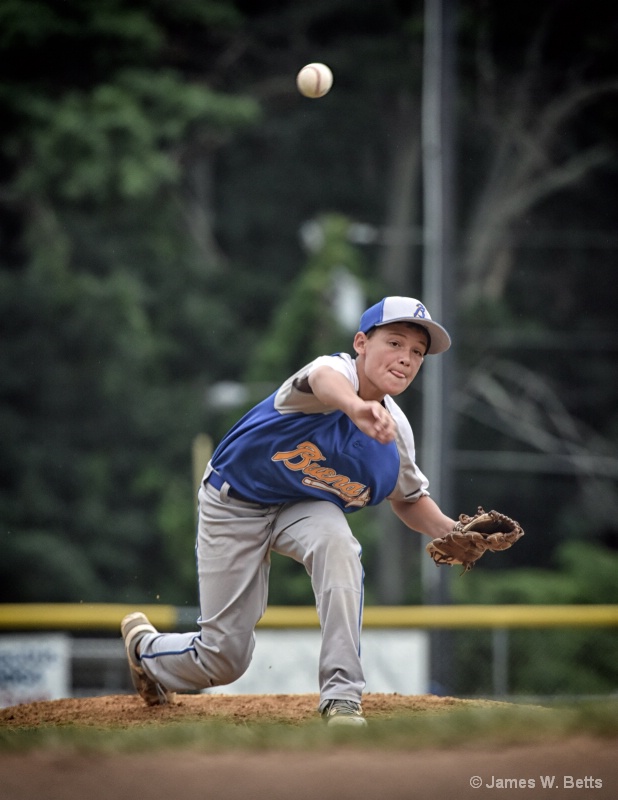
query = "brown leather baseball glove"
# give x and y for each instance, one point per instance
(474, 536)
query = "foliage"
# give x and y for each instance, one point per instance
(546, 662)
(155, 174)
(120, 139)
(306, 323)
(101, 396)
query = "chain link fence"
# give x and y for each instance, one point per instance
(500, 652)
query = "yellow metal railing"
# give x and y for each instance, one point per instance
(107, 616)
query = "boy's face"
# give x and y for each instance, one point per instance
(389, 359)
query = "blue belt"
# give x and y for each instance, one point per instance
(215, 480)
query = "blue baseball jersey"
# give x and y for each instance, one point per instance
(291, 447)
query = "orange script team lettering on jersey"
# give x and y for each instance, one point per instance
(303, 459)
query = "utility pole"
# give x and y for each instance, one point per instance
(437, 155)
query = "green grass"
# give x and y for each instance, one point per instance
(491, 727)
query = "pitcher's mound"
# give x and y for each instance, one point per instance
(127, 710)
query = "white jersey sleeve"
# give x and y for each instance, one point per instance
(294, 396)
(411, 483)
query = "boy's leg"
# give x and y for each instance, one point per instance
(232, 558)
(317, 534)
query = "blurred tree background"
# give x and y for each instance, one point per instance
(175, 218)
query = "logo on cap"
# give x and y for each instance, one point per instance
(421, 311)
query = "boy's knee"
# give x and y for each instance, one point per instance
(224, 665)
(223, 672)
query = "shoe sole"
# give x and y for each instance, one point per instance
(150, 691)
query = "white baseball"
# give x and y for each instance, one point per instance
(314, 80)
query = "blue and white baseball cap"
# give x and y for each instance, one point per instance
(406, 309)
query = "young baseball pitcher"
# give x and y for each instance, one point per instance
(330, 441)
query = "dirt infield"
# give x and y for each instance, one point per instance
(577, 767)
(129, 710)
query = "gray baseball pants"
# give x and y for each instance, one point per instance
(234, 541)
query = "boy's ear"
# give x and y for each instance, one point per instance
(360, 342)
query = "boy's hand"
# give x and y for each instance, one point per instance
(374, 420)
